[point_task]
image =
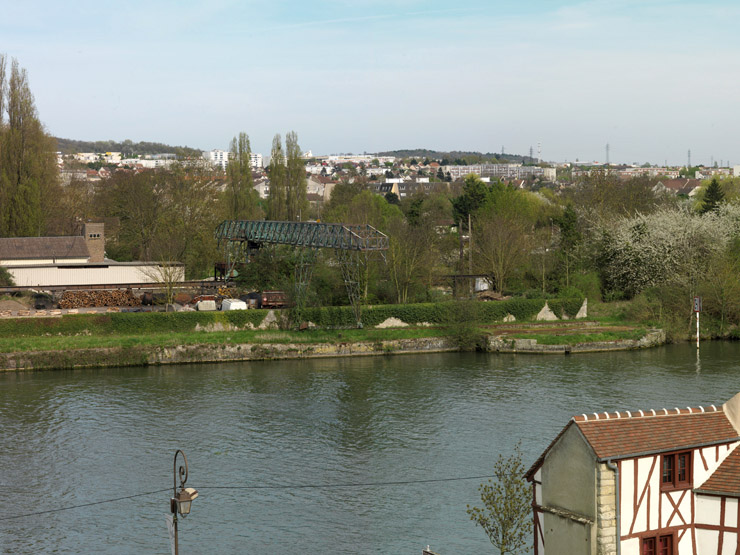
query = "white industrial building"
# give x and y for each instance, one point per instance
(74, 260)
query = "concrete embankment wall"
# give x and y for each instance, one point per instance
(503, 344)
(182, 354)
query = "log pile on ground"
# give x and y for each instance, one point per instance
(89, 299)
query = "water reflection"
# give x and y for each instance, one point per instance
(93, 434)
(698, 362)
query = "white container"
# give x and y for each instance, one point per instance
(233, 304)
(206, 305)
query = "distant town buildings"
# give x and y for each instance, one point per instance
(402, 177)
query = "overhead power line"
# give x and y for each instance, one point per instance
(349, 484)
(274, 487)
(84, 504)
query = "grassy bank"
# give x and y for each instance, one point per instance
(152, 338)
(580, 337)
(172, 339)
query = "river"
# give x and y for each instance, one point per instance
(71, 438)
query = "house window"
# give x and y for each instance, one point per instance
(676, 471)
(657, 545)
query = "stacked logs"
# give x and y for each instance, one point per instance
(87, 299)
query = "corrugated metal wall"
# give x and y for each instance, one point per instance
(84, 275)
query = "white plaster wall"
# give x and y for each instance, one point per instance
(707, 541)
(667, 516)
(708, 510)
(685, 545)
(729, 544)
(631, 547)
(643, 471)
(538, 538)
(731, 512)
(654, 494)
(710, 455)
(626, 501)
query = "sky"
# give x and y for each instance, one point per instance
(652, 78)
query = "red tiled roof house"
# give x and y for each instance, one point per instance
(656, 482)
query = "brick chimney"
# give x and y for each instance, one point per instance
(95, 239)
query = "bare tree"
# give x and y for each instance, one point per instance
(410, 255)
(167, 274)
(502, 245)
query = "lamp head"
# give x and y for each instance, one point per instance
(184, 500)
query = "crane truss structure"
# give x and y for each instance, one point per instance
(351, 243)
(314, 235)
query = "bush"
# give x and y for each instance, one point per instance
(588, 284)
(463, 321)
(439, 313)
(6, 280)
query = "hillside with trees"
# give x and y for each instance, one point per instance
(458, 157)
(128, 148)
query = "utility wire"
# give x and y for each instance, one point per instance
(85, 504)
(286, 486)
(350, 485)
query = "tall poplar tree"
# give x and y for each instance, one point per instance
(28, 172)
(295, 179)
(278, 173)
(242, 201)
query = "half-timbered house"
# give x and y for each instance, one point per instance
(655, 482)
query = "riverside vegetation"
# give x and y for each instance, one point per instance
(642, 252)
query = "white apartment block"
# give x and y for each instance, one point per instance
(220, 159)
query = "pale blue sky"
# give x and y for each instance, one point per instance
(653, 78)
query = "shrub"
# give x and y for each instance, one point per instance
(463, 320)
(6, 280)
(587, 284)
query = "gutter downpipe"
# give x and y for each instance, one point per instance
(615, 468)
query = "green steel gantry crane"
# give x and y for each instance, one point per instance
(351, 243)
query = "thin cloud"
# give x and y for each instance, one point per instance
(364, 18)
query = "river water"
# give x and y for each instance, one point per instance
(76, 437)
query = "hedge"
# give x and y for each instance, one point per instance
(127, 323)
(439, 313)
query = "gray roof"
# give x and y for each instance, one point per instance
(23, 248)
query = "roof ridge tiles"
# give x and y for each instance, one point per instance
(648, 413)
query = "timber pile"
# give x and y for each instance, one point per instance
(88, 299)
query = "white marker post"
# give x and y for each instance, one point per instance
(697, 310)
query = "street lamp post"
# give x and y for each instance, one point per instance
(183, 499)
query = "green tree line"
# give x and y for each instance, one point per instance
(603, 237)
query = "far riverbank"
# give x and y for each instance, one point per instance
(223, 346)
